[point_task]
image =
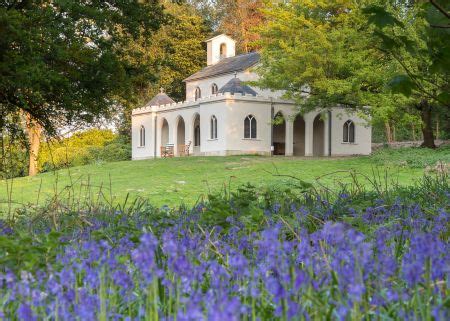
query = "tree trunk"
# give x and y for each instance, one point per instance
(388, 132)
(437, 126)
(34, 131)
(427, 124)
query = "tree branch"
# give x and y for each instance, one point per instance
(438, 6)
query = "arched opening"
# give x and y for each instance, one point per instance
(196, 127)
(279, 134)
(181, 138)
(348, 132)
(223, 50)
(318, 136)
(198, 93)
(214, 89)
(164, 133)
(142, 136)
(299, 136)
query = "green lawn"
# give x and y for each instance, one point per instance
(174, 181)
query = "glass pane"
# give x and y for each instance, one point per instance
(212, 128)
(215, 127)
(352, 133)
(247, 128)
(253, 127)
(345, 133)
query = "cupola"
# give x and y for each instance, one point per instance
(160, 99)
(220, 47)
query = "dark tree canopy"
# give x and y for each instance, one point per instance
(69, 60)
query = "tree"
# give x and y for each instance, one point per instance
(64, 61)
(415, 34)
(321, 50)
(175, 52)
(239, 19)
(330, 52)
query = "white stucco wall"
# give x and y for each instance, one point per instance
(213, 48)
(363, 134)
(147, 151)
(231, 112)
(205, 85)
(237, 112)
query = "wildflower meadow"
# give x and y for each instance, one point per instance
(243, 255)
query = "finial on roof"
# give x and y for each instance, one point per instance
(235, 74)
(161, 90)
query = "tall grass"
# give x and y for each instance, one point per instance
(293, 252)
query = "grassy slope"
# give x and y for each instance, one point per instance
(172, 181)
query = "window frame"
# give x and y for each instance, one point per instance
(348, 133)
(213, 127)
(214, 89)
(252, 124)
(142, 136)
(198, 93)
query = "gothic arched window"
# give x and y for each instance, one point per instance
(349, 132)
(250, 127)
(214, 89)
(142, 136)
(213, 127)
(198, 93)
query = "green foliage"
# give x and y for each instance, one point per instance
(411, 157)
(321, 49)
(31, 252)
(175, 52)
(83, 148)
(415, 36)
(383, 54)
(182, 179)
(71, 63)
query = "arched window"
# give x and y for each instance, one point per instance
(197, 135)
(214, 89)
(223, 50)
(349, 132)
(198, 93)
(250, 127)
(213, 127)
(142, 136)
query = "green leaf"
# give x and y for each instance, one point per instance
(402, 84)
(380, 17)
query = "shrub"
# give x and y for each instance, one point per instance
(84, 148)
(412, 156)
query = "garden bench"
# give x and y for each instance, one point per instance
(183, 150)
(167, 151)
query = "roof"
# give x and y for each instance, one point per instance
(226, 66)
(218, 36)
(160, 99)
(235, 86)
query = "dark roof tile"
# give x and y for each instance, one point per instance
(227, 65)
(160, 99)
(235, 86)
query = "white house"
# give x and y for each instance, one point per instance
(223, 116)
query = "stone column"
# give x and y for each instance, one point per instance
(289, 139)
(309, 132)
(326, 133)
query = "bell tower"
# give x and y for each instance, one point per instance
(220, 47)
